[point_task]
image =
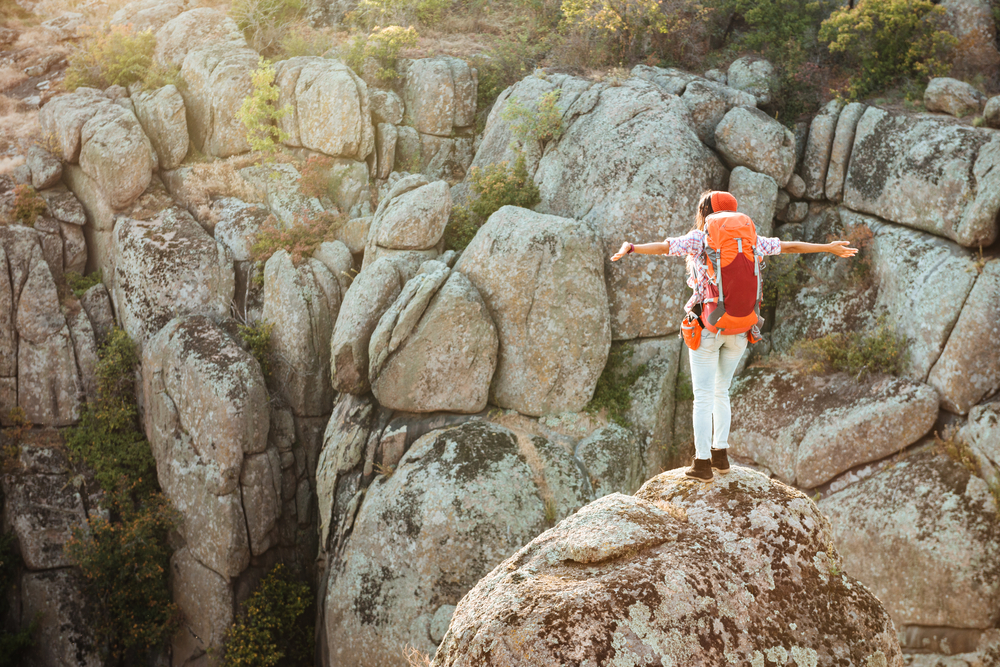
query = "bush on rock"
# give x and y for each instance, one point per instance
(265, 22)
(28, 205)
(382, 47)
(273, 631)
(117, 57)
(301, 240)
(259, 112)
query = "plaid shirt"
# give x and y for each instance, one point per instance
(692, 244)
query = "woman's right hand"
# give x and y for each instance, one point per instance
(621, 253)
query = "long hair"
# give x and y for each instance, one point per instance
(704, 210)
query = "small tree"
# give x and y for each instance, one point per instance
(542, 124)
(259, 112)
(627, 24)
(885, 40)
(383, 47)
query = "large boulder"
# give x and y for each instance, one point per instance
(928, 173)
(750, 138)
(709, 102)
(755, 76)
(756, 196)
(618, 169)
(205, 407)
(42, 508)
(165, 267)
(330, 108)
(963, 373)
(436, 346)
(922, 282)
(54, 599)
(840, 152)
(412, 216)
(439, 94)
(46, 169)
(626, 581)
(808, 429)
(302, 302)
(816, 158)
(498, 143)
(148, 14)
(117, 154)
(923, 536)
(193, 29)
(64, 116)
(35, 342)
(460, 501)
(217, 79)
(550, 358)
(953, 97)
(163, 118)
(366, 300)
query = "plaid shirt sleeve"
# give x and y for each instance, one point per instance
(768, 245)
(692, 243)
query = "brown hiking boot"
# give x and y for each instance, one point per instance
(701, 470)
(720, 460)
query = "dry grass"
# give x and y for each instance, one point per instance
(11, 77)
(9, 164)
(217, 178)
(38, 38)
(416, 658)
(18, 129)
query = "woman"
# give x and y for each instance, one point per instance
(714, 362)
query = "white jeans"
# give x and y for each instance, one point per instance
(712, 367)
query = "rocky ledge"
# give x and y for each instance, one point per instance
(741, 571)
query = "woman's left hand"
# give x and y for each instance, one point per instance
(621, 253)
(841, 249)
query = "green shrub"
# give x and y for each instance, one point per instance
(883, 41)
(300, 240)
(12, 644)
(124, 563)
(383, 47)
(627, 26)
(272, 631)
(881, 351)
(257, 338)
(784, 30)
(265, 22)
(118, 56)
(28, 205)
(613, 391)
(80, 284)
(542, 124)
(259, 112)
(495, 186)
(107, 437)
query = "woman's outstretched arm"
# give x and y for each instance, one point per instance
(838, 248)
(642, 249)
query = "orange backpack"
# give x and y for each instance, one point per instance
(733, 302)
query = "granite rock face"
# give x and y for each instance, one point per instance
(808, 429)
(748, 137)
(459, 501)
(923, 536)
(436, 346)
(550, 358)
(928, 173)
(623, 581)
(617, 168)
(165, 267)
(331, 112)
